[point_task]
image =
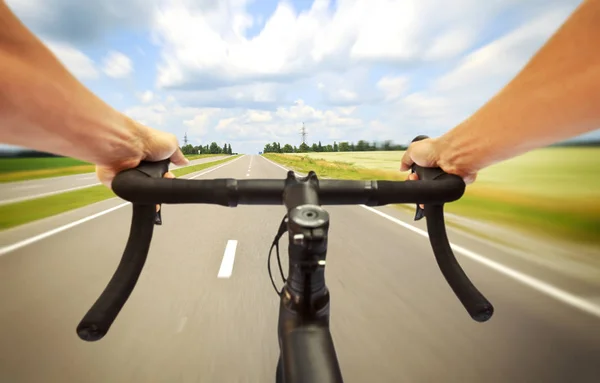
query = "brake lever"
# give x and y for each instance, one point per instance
(478, 307)
(158, 216)
(100, 317)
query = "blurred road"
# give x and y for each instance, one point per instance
(394, 319)
(11, 192)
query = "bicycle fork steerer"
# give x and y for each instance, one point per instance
(306, 346)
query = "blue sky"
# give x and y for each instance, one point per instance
(250, 72)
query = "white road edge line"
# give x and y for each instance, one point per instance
(15, 246)
(13, 200)
(218, 167)
(534, 283)
(228, 259)
(39, 237)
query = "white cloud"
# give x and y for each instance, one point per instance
(353, 69)
(295, 44)
(117, 65)
(74, 60)
(199, 125)
(249, 125)
(393, 87)
(146, 96)
(500, 60)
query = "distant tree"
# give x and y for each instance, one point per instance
(362, 146)
(314, 148)
(319, 147)
(329, 148)
(303, 148)
(287, 148)
(214, 148)
(352, 147)
(344, 147)
(335, 146)
(188, 149)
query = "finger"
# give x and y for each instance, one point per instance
(105, 175)
(413, 177)
(469, 179)
(406, 161)
(178, 158)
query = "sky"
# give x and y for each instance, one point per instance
(251, 72)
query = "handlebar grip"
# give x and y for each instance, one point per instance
(97, 321)
(474, 302)
(478, 307)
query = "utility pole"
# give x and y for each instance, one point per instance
(303, 133)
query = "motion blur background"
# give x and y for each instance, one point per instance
(235, 78)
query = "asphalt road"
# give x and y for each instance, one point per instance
(394, 319)
(11, 192)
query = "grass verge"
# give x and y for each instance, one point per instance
(23, 169)
(546, 216)
(19, 213)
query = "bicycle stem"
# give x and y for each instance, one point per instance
(307, 350)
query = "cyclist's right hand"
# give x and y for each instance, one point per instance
(430, 153)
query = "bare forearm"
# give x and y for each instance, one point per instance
(42, 106)
(555, 97)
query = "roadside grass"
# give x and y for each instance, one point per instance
(538, 194)
(23, 169)
(19, 213)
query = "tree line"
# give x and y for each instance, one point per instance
(213, 148)
(360, 146)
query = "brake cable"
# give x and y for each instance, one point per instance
(280, 232)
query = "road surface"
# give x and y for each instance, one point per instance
(11, 192)
(394, 319)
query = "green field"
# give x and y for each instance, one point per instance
(22, 169)
(550, 172)
(19, 213)
(552, 191)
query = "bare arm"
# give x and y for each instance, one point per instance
(43, 107)
(555, 96)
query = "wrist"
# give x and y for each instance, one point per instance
(459, 154)
(121, 143)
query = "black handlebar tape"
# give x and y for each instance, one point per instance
(474, 302)
(96, 323)
(445, 188)
(135, 186)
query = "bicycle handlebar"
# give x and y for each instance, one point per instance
(145, 187)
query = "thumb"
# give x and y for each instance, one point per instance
(178, 158)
